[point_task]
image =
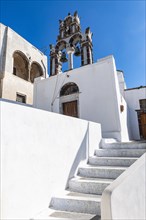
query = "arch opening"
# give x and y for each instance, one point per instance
(68, 89)
(20, 65)
(35, 71)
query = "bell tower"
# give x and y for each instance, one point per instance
(70, 41)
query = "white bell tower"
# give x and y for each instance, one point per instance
(69, 38)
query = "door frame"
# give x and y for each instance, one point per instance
(139, 113)
(69, 98)
(142, 125)
(70, 108)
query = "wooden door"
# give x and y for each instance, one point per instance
(143, 124)
(70, 109)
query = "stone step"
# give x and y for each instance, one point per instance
(119, 152)
(89, 185)
(51, 214)
(126, 145)
(77, 202)
(112, 161)
(107, 172)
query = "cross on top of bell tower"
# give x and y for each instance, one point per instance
(70, 41)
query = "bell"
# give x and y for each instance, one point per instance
(77, 51)
(63, 58)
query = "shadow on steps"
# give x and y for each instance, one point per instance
(97, 217)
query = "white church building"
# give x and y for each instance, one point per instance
(72, 144)
(95, 91)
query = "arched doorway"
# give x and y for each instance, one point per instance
(69, 100)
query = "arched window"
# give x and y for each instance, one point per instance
(20, 65)
(68, 89)
(35, 71)
(69, 100)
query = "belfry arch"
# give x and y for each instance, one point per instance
(70, 41)
(60, 45)
(75, 39)
(69, 100)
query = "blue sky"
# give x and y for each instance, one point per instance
(118, 28)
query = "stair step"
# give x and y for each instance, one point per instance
(89, 185)
(73, 215)
(83, 200)
(109, 172)
(112, 161)
(119, 152)
(77, 202)
(126, 145)
(50, 214)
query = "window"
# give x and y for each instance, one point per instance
(14, 71)
(68, 89)
(20, 98)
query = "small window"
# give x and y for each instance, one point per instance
(20, 98)
(14, 71)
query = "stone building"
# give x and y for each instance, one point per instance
(20, 64)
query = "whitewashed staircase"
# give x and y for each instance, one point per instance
(83, 197)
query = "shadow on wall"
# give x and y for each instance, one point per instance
(3, 51)
(2, 59)
(81, 155)
(96, 218)
(128, 124)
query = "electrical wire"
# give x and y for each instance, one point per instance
(54, 97)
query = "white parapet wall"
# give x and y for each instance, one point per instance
(40, 151)
(125, 198)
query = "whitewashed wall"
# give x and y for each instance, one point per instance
(99, 96)
(125, 197)
(132, 97)
(121, 80)
(10, 42)
(40, 151)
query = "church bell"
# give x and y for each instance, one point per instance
(77, 51)
(63, 58)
